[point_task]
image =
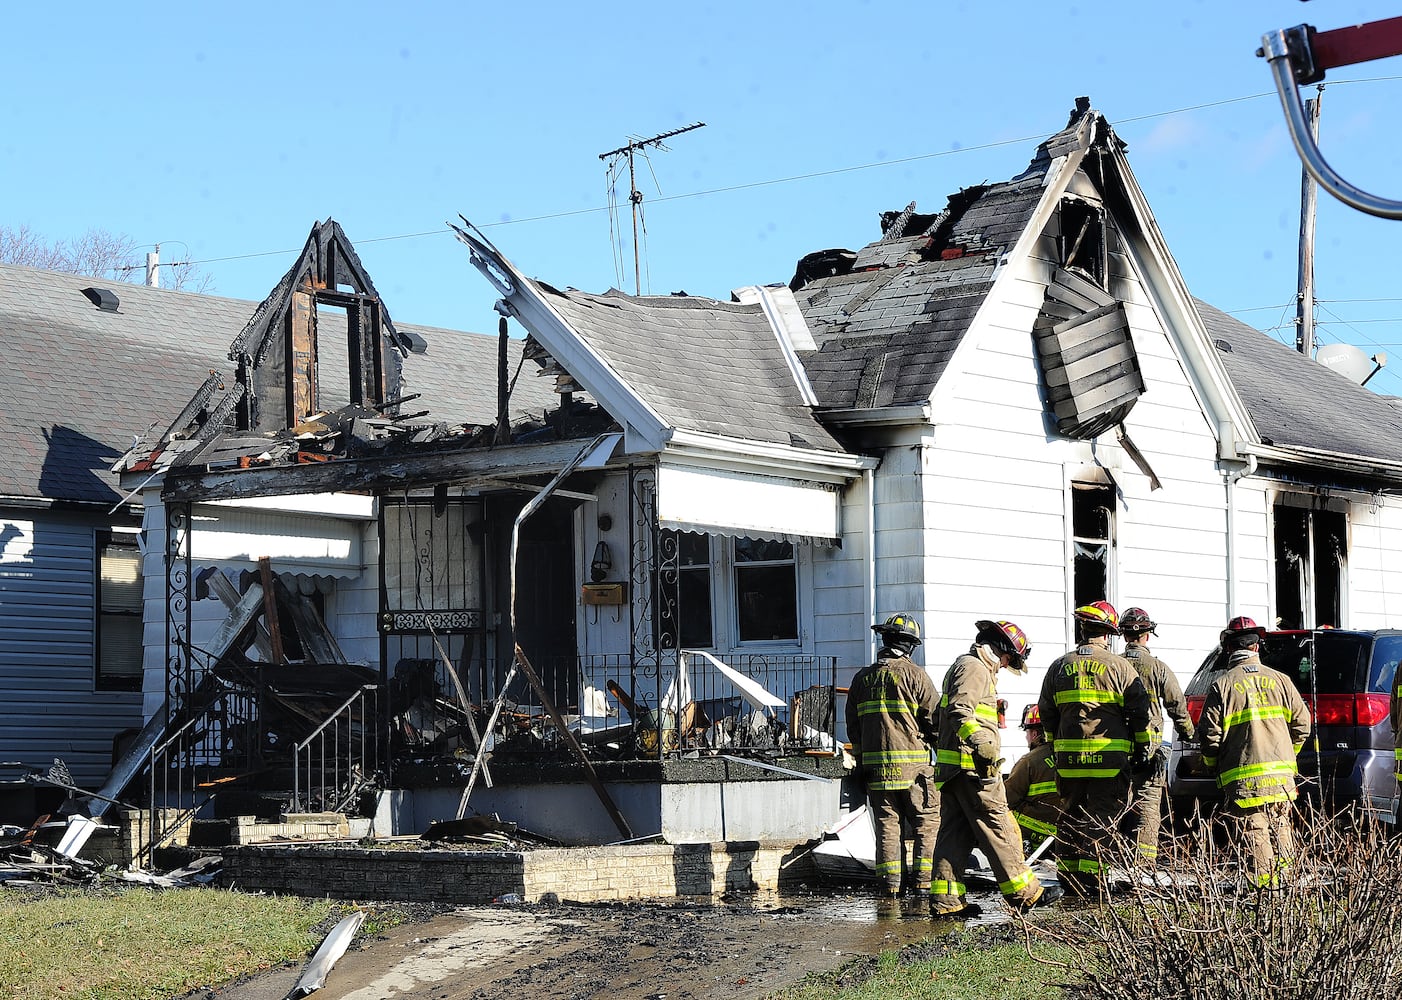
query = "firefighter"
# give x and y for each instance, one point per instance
(891, 710)
(1252, 726)
(1033, 798)
(973, 805)
(1165, 693)
(1096, 711)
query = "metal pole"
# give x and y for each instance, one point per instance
(1304, 303)
(634, 197)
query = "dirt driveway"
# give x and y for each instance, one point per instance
(628, 952)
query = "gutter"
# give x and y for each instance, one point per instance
(1378, 468)
(772, 459)
(879, 416)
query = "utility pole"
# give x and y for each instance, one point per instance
(1304, 300)
(153, 268)
(635, 197)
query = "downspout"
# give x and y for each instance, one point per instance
(1231, 479)
(870, 477)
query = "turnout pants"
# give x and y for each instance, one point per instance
(1084, 835)
(974, 814)
(1146, 814)
(915, 809)
(1265, 839)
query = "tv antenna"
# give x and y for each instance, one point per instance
(635, 197)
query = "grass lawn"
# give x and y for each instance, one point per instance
(142, 944)
(981, 964)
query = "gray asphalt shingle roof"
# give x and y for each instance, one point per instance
(886, 330)
(1295, 401)
(700, 364)
(78, 384)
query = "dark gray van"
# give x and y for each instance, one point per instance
(1345, 678)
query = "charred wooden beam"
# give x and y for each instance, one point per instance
(374, 474)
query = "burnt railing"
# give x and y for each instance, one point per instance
(683, 701)
(340, 758)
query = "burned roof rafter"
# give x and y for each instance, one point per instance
(277, 354)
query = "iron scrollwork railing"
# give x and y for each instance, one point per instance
(179, 666)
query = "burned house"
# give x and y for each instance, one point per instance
(644, 600)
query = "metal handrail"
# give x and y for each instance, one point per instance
(334, 719)
(158, 753)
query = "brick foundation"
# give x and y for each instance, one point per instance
(584, 874)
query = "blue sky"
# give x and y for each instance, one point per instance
(223, 131)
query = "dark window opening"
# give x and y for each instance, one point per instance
(766, 590)
(118, 652)
(1311, 556)
(1082, 240)
(1093, 541)
(694, 590)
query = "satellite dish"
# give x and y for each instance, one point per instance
(1350, 362)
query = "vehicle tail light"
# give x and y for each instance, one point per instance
(1334, 710)
(1195, 707)
(1372, 708)
(1350, 709)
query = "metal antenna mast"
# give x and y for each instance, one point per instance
(635, 197)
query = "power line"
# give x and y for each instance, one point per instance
(812, 175)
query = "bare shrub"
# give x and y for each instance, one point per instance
(1197, 929)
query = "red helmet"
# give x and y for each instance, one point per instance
(1007, 638)
(1099, 616)
(1241, 625)
(1032, 716)
(1136, 621)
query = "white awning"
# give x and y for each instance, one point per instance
(730, 503)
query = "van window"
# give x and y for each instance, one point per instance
(1337, 659)
(1387, 651)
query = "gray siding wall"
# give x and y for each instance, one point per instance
(48, 705)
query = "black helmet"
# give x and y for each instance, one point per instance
(899, 629)
(1136, 621)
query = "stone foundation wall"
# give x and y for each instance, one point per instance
(583, 874)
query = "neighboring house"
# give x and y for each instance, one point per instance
(1004, 409)
(87, 367)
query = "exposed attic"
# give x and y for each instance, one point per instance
(276, 355)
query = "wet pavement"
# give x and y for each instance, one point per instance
(733, 948)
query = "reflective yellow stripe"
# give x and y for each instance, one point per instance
(1252, 713)
(1017, 883)
(884, 706)
(963, 761)
(940, 887)
(968, 729)
(1035, 825)
(1097, 745)
(895, 756)
(1081, 865)
(1267, 769)
(1089, 696)
(1039, 788)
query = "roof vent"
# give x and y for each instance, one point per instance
(104, 298)
(1223, 346)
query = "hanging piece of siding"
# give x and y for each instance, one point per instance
(1089, 364)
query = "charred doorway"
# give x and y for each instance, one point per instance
(545, 592)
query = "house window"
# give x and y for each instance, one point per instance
(1082, 240)
(766, 590)
(1092, 541)
(118, 652)
(756, 580)
(1311, 560)
(694, 591)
